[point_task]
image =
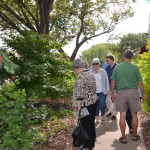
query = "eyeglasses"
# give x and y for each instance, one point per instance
(95, 63)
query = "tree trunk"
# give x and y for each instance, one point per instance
(75, 52)
(45, 8)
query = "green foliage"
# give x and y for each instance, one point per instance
(60, 113)
(57, 126)
(9, 66)
(65, 17)
(144, 64)
(132, 41)
(64, 20)
(43, 71)
(64, 113)
(99, 51)
(55, 122)
(17, 116)
(94, 14)
(20, 117)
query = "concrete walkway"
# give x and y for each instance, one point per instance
(109, 133)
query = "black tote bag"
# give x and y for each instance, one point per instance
(79, 134)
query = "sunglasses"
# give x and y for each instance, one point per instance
(95, 63)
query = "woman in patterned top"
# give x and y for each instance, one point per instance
(84, 94)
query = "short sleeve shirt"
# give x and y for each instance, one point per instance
(126, 75)
(109, 71)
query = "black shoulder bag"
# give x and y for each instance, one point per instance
(79, 134)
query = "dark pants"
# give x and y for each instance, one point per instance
(88, 123)
(129, 119)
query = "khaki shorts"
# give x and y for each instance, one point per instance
(128, 99)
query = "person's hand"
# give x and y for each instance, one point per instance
(79, 107)
(113, 98)
(107, 93)
(75, 108)
(143, 99)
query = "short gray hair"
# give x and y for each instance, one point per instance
(86, 65)
(128, 54)
(95, 60)
(78, 63)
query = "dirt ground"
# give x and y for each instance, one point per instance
(145, 127)
(63, 140)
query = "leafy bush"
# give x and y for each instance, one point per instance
(43, 71)
(17, 116)
(144, 64)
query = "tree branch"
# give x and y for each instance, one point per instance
(61, 50)
(35, 20)
(28, 25)
(79, 44)
(81, 30)
(26, 17)
(10, 22)
(67, 38)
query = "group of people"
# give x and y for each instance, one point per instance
(115, 87)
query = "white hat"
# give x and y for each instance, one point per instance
(95, 60)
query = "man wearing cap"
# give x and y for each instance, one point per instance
(126, 76)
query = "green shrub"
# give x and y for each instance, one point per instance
(41, 72)
(20, 119)
(41, 69)
(18, 115)
(144, 64)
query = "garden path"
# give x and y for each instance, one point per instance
(109, 133)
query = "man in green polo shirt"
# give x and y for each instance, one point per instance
(126, 76)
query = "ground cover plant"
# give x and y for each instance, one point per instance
(24, 125)
(40, 72)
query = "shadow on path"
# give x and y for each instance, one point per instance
(108, 126)
(131, 145)
(109, 133)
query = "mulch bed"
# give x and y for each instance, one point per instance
(63, 140)
(145, 127)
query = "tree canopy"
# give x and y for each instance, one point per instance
(133, 41)
(64, 20)
(99, 51)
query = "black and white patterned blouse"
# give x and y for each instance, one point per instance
(84, 89)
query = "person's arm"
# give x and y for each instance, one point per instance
(113, 83)
(141, 86)
(106, 83)
(79, 105)
(80, 91)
